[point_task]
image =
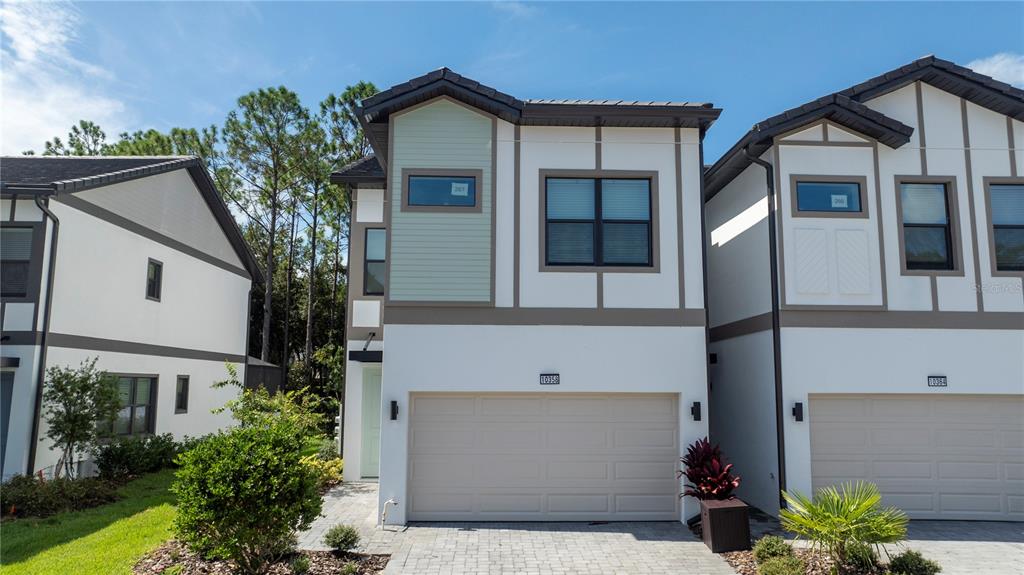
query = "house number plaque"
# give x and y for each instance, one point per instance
(936, 381)
(549, 379)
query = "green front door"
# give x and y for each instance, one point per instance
(370, 452)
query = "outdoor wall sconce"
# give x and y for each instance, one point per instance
(394, 411)
(798, 411)
(695, 410)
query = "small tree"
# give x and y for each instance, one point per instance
(298, 409)
(78, 407)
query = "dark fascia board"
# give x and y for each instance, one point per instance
(440, 82)
(366, 356)
(617, 114)
(365, 170)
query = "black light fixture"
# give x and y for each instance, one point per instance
(714, 359)
(394, 411)
(798, 411)
(695, 410)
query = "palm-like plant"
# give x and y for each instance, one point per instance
(834, 518)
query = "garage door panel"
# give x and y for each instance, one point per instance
(952, 456)
(557, 457)
(427, 407)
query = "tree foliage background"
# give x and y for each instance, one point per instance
(271, 159)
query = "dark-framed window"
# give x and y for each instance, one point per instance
(138, 405)
(154, 279)
(828, 197)
(16, 245)
(927, 228)
(181, 395)
(1006, 205)
(598, 222)
(442, 191)
(375, 261)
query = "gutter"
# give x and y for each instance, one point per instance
(776, 333)
(41, 375)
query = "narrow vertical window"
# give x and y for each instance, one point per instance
(375, 265)
(1006, 204)
(154, 279)
(927, 234)
(181, 395)
(15, 260)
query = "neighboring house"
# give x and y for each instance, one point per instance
(864, 273)
(526, 327)
(150, 274)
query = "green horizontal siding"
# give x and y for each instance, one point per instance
(441, 256)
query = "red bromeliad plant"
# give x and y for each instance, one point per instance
(708, 474)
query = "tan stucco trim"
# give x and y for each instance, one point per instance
(972, 210)
(920, 128)
(680, 231)
(434, 100)
(745, 326)
(1011, 145)
(356, 279)
(952, 206)
(881, 227)
(478, 201)
(599, 296)
(893, 319)
(517, 135)
(804, 127)
(862, 185)
(652, 175)
(462, 315)
(990, 229)
(494, 207)
(832, 144)
(780, 238)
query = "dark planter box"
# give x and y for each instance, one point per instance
(725, 525)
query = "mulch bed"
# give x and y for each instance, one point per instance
(174, 553)
(744, 564)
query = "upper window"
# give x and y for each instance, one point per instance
(15, 260)
(598, 222)
(181, 395)
(442, 191)
(927, 234)
(1007, 209)
(375, 265)
(138, 399)
(154, 279)
(828, 197)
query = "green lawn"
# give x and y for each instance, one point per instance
(103, 540)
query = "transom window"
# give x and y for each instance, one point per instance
(375, 266)
(138, 399)
(598, 222)
(15, 260)
(839, 197)
(441, 191)
(927, 234)
(1006, 204)
(154, 280)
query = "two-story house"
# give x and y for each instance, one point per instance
(526, 326)
(135, 261)
(865, 259)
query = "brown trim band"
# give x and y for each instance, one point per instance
(904, 319)
(116, 346)
(745, 326)
(619, 317)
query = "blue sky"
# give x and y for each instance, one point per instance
(132, 66)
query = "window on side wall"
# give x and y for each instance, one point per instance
(828, 198)
(375, 264)
(15, 260)
(927, 233)
(138, 403)
(441, 191)
(181, 395)
(154, 280)
(1006, 205)
(598, 222)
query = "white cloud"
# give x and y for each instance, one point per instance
(1005, 66)
(44, 88)
(515, 8)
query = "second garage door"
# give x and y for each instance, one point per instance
(935, 457)
(543, 457)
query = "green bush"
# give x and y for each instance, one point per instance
(837, 518)
(861, 558)
(24, 496)
(300, 565)
(242, 495)
(350, 568)
(771, 546)
(912, 563)
(341, 538)
(189, 442)
(328, 472)
(328, 450)
(129, 456)
(791, 565)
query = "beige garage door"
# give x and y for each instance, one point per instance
(948, 457)
(543, 457)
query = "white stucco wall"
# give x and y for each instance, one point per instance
(352, 411)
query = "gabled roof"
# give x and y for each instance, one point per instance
(362, 171)
(55, 175)
(846, 108)
(376, 110)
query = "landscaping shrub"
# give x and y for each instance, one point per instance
(328, 472)
(328, 450)
(912, 563)
(771, 546)
(709, 475)
(242, 495)
(189, 442)
(837, 518)
(300, 565)
(341, 538)
(128, 456)
(25, 496)
(791, 565)
(861, 558)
